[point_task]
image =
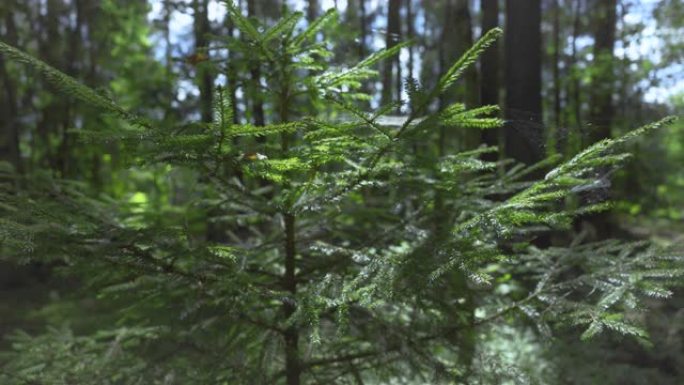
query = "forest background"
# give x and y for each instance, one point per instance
(566, 73)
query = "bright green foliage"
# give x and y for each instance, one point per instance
(325, 248)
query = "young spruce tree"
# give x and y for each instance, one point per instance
(346, 249)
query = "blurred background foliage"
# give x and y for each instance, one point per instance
(568, 73)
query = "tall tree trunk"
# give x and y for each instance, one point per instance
(410, 33)
(90, 19)
(465, 36)
(9, 122)
(63, 159)
(205, 78)
(489, 70)
(557, 49)
(602, 83)
(524, 132)
(215, 232)
(255, 73)
(12, 276)
(393, 34)
(601, 93)
(311, 10)
(363, 19)
(231, 74)
(623, 98)
(471, 91)
(293, 368)
(50, 51)
(166, 29)
(576, 92)
(456, 37)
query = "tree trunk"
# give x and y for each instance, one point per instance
(524, 132)
(393, 34)
(63, 159)
(168, 57)
(465, 37)
(255, 73)
(9, 123)
(471, 91)
(50, 47)
(292, 365)
(489, 70)
(205, 78)
(293, 369)
(410, 33)
(601, 93)
(363, 19)
(312, 10)
(602, 83)
(576, 96)
(557, 48)
(456, 37)
(231, 75)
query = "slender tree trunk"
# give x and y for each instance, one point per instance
(524, 132)
(215, 232)
(399, 84)
(489, 70)
(602, 84)
(205, 78)
(63, 159)
(455, 39)
(12, 276)
(9, 137)
(576, 91)
(458, 281)
(231, 75)
(363, 19)
(601, 91)
(9, 123)
(255, 73)
(624, 101)
(557, 49)
(471, 96)
(168, 57)
(465, 31)
(410, 33)
(50, 51)
(312, 10)
(293, 369)
(292, 365)
(393, 34)
(92, 15)
(442, 56)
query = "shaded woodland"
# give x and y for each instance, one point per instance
(341, 192)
